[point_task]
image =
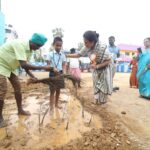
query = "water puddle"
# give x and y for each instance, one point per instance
(58, 127)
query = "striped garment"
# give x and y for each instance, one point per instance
(14, 80)
(102, 78)
(3, 87)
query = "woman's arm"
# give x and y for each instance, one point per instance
(104, 64)
(73, 55)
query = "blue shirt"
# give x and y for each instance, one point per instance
(57, 59)
(114, 50)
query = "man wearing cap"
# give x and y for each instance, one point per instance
(12, 55)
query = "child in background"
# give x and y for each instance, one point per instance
(57, 60)
(74, 66)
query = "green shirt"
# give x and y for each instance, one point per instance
(11, 53)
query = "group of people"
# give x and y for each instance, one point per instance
(16, 54)
(140, 75)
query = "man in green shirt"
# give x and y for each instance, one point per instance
(12, 55)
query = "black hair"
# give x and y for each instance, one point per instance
(148, 38)
(72, 50)
(57, 39)
(112, 37)
(91, 36)
(139, 49)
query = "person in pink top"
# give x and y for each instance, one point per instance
(74, 66)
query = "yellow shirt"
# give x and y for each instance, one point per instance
(11, 53)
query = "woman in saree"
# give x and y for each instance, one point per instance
(143, 74)
(133, 78)
(101, 64)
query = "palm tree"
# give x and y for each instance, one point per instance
(58, 32)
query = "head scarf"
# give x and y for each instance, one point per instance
(39, 39)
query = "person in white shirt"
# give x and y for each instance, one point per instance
(74, 66)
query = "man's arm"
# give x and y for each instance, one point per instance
(28, 66)
(29, 73)
(118, 55)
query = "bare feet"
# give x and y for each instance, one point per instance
(79, 86)
(103, 104)
(57, 106)
(25, 113)
(51, 107)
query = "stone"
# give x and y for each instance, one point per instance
(128, 142)
(7, 144)
(94, 144)
(123, 112)
(113, 135)
(86, 144)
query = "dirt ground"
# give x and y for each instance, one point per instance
(122, 124)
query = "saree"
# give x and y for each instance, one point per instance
(102, 78)
(143, 74)
(133, 78)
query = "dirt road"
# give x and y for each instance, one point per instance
(123, 124)
(131, 110)
(137, 118)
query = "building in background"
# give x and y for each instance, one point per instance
(128, 50)
(58, 32)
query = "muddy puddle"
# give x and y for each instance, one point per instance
(44, 127)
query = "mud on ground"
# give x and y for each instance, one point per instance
(112, 135)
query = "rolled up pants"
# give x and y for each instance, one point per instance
(14, 80)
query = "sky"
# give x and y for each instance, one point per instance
(127, 20)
